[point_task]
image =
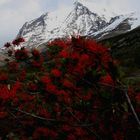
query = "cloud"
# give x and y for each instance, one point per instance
(2, 2)
(116, 6)
(14, 14)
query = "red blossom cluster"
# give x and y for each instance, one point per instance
(67, 94)
(11, 46)
(18, 41)
(7, 45)
(6, 92)
(21, 54)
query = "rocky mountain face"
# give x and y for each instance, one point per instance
(125, 48)
(79, 21)
(118, 25)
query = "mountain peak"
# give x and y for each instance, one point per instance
(77, 3)
(80, 9)
(44, 15)
(76, 21)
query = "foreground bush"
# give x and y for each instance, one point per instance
(69, 92)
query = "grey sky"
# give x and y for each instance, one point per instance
(14, 13)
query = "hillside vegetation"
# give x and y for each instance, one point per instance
(126, 49)
(71, 91)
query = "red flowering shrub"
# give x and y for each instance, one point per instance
(6, 92)
(21, 54)
(68, 92)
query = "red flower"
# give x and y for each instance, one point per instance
(45, 79)
(105, 59)
(51, 88)
(44, 113)
(64, 54)
(88, 96)
(15, 42)
(26, 97)
(16, 86)
(18, 41)
(68, 83)
(32, 87)
(58, 43)
(107, 80)
(84, 58)
(95, 48)
(21, 54)
(3, 114)
(6, 93)
(21, 39)
(63, 96)
(75, 55)
(38, 63)
(36, 53)
(56, 73)
(22, 75)
(7, 45)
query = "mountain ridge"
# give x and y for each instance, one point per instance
(79, 21)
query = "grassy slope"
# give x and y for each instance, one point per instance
(126, 49)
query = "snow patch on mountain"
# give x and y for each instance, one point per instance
(135, 22)
(77, 20)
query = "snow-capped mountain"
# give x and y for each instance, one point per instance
(77, 21)
(118, 25)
